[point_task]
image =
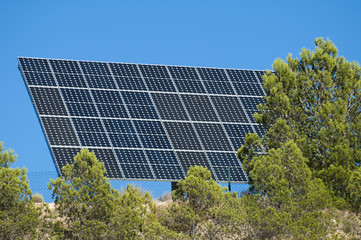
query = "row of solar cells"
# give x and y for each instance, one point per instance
(117, 104)
(151, 84)
(248, 84)
(146, 134)
(137, 70)
(163, 165)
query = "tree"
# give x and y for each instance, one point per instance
(315, 102)
(92, 209)
(18, 214)
(84, 198)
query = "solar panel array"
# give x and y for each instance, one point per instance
(145, 122)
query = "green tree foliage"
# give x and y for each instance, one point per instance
(314, 103)
(201, 208)
(18, 215)
(92, 209)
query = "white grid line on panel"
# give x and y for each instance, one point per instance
(101, 119)
(192, 124)
(161, 120)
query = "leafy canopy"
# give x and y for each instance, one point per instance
(313, 102)
(18, 215)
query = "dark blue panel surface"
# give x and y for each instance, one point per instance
(124, 69)
(118, 126)
(102, 82)
(34, 64)
(154, 71)
(162, 157)
(137, 171)
(229, 109)
(199, 108)
(70, 80)
(81, 109)
(189, 86)
(143, 112)
(124, 140)
(38, 78)
(126, 156)
(65, 66)
(95, 68)
(48, 101)
(213, 137)
(60, 131)
(169, 106)
(130, 83)
(168, 172)
(183, 72)
(112, 111)
(182, 135)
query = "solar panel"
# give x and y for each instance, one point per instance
(145, 122)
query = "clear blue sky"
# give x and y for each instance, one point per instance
(232, 34)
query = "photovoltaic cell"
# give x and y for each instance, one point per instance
(145, 122)
(199, 108)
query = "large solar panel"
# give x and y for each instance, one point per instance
(145, 122)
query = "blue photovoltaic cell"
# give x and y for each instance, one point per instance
(124, 69)
(76, 95)
(162, 157)
(149, 127)
(111, 97)
(81, 109)
(182, 135)
(183, 72)
(169, 106)
(34, 65)
(94, 68)
(160, 84)
(199, 108)
(112, 110)
(219, 87)
(118, 126)
(38, 78)
(229, 109)
(48, 101)
(137, 171)
(250, 89)
(70, 80)
(63, 134)
(124, 140)
(137, 98)
(130, 83)
(143, 112)
(95, 81)
(213, 74)
(88, 125)
(251, 103)
(168, 172)
(145, 122)
(126, 156)
(189, 86)
(154, 71)
(223, 159)
(65, 66)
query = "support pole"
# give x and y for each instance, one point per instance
(229, 178)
